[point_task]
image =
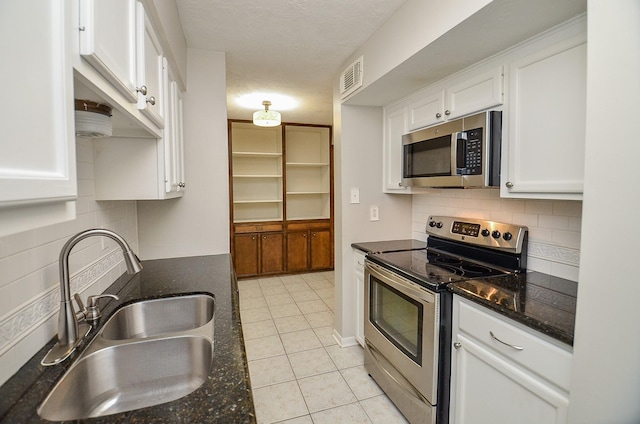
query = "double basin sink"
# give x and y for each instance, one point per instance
(149, 352)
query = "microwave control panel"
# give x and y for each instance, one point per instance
(470, 153)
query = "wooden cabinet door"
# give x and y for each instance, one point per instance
(245, 254)
(297, 251)
(320, 249)
(271, 253)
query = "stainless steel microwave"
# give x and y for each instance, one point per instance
(461, 153)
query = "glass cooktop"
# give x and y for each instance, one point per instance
(432, 268)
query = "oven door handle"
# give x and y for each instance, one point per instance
(401, 382)
(401, 284)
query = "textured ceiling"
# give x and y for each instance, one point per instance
(290, 47)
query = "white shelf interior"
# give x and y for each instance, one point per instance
(308, 206)
(307, 144)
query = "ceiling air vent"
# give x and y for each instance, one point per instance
(351, 78)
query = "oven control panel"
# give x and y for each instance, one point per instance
(498, 235)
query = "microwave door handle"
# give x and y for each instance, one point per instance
(459, 152)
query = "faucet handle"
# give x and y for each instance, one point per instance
(82, 312)
(93, 312)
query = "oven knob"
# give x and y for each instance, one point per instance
(507, 236)
(495, 234)
(439, 224)
(485, 232)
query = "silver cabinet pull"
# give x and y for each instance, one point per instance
(509, 184)
(151, 100)
(457, 345)
(447, 112)
(438, 115)
(142, 90)
(504, 343)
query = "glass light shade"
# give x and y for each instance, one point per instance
(266, 118)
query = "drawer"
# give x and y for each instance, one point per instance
(257, 228)
(302, 226)
(538, 355)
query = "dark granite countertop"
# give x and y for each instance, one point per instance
(539, 301)
(389, 245)
(226, 395)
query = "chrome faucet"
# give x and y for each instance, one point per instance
(70, 333)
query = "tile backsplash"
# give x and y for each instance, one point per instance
(29, 274)
(554, 225)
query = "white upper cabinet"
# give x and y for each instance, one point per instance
(152, 73)
(460, 96)
(37, 163)
(174, 150)
(108, 41)
(395, 126)
(543, 156)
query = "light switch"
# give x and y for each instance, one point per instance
(355, 195)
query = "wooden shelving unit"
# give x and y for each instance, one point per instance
(281, 196)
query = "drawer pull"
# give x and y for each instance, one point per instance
(506, 344)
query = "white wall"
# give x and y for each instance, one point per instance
(416, 24)
(358, 158)
(605, 386)
(29, 272)
(197, 223)
(554, 225)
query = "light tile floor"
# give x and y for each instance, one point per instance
(299, 374)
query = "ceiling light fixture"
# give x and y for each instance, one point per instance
(266, 117)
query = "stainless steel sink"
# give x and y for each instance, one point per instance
(129, 376)
(147, 353)
(159, 316)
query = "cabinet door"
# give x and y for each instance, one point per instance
(547, 121)
(395, 127)
(245, 254)
(482, 377)
(358, 279)
(173, 136)
(152, 73)
(474, 94)
(297, 251)
(108, 41)
(271, 253)
(427, 110)
(320, 241)
(37, 163)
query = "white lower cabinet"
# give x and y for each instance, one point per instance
(519, 378)
(358, 280)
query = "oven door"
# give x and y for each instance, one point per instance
(401, 329)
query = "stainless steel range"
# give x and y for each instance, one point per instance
(408, 308)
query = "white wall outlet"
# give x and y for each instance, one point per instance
(355, 195)
(373, 213)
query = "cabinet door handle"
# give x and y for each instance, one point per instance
(142, 90)
(264, 237)
(447, 112)
(438, 115)
(504, 343)
(304, 234)
(457, 345)
(151, 100)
